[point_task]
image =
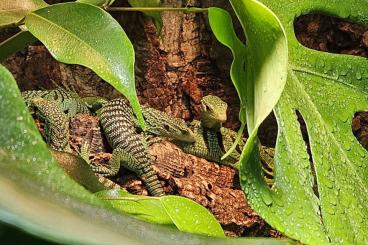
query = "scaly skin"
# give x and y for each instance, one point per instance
(68, 100)
(158, 123)
(213, 112)
(129, 147)
(211, 144)
(55, 107)
(161, 124)
(56, 123)
(213, 140)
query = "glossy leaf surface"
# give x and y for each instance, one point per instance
(106, 50)
(184, 213)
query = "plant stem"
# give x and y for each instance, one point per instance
(157, 9)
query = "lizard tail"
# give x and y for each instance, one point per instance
(151, 181)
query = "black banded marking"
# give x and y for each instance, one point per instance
(117, 121)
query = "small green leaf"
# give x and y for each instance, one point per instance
(88, 37)
(15, 43)
(191, 217)
(13, 11)
(184, 213)
(150, 3)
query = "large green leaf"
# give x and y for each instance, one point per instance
(37, 196)
(327, 90)
(199, 220)
(142, 207)
(78, 33)
(13, 11)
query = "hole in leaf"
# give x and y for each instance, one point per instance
(304, 131)
(331, 34)
(267, 155)
(360, 128)
(267, 134)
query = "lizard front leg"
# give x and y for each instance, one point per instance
(114, 163)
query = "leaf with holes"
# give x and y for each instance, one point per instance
(106, 50)
(326, 89)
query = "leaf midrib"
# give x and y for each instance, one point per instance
(325, 76)
(310, 101)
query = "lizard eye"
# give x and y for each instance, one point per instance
(166, 127)
(184, 132)
(209, 108)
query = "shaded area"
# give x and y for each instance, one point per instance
(333, 35)
(360, 128)
(12, 235)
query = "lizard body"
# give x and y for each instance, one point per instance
(213, 140)
(211, 144)
(129, 147)
(161, 124)
(158, 123)
(213, 112)
(68, 100)
(56, 123)
(57, 105)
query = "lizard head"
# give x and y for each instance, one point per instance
(213, 111)
(162, 124)
(41, 104)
